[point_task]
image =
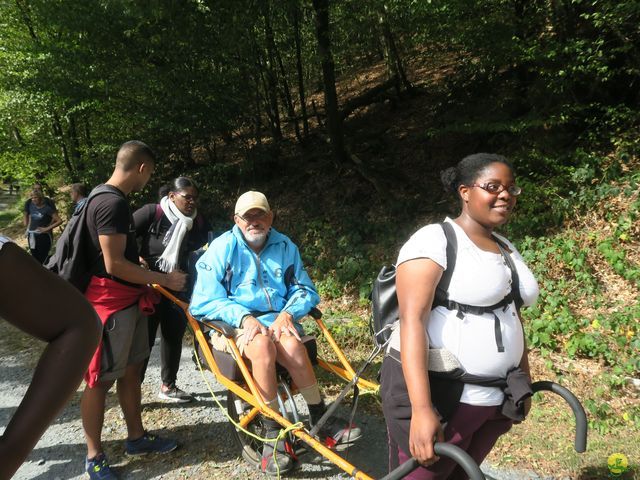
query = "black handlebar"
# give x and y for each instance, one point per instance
(461, 457)
(580, 442)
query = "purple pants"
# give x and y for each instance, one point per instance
(474, 429)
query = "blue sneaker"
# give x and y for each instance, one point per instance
(98, 468)
(149, 443)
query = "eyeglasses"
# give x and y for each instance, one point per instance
(261, 215)
(188, 198)
(495, 188)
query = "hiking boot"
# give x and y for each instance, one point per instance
(174, 395)
(335, 431)
(149, 443)
(283, 461)
(98, 468)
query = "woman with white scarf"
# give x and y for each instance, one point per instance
(169, 231)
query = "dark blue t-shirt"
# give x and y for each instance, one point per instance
(40, 216)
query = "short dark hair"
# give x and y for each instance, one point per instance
(133, 153)
(79, 188)
(469, 169)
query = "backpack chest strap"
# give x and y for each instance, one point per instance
(463, 309)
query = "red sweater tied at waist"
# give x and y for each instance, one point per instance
(108, 297)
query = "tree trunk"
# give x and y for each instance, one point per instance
(287, 97)
(212, 152)
(274, 122)
(17, 136)
(59, 136)
(299, 69)
(257, 125)
(26, 18)
(272, 83)
(334, 121)
(75, 146)
(394, 62)
(368, 97)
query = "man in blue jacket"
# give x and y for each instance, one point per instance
(252, 278)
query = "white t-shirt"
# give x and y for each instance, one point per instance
(480, 278)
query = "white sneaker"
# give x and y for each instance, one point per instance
(174, 395)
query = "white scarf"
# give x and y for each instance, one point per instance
(180, 225)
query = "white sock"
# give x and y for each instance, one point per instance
(311, 394)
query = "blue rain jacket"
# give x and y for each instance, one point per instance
(234, 281)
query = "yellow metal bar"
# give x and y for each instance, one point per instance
(342, 373)
(248, 418)
(343, 360)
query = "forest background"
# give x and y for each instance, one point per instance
(344, 113)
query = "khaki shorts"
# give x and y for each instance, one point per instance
(219, 342)
(125, 341)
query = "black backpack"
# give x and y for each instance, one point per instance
(70, 260)
(384, 301)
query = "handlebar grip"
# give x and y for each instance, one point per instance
(580, 442)
(461, 457)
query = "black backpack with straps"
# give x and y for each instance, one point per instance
(384, 300)
(70, 260)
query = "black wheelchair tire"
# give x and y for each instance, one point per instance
(251, 448)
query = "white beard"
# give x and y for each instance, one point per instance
(256, 239)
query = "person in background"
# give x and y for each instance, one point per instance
(46, 307)
(168, 232)
(78, 195)
(40, 218)
(47, 200)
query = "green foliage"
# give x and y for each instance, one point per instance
(611, 336)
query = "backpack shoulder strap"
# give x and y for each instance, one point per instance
(515, 279)
(452, 253)
(154, 228)
(158, 213)
(105, 188)
(99, 190)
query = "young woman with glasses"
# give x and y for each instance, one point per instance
(487, 342)
(169, 231)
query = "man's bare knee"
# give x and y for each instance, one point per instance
(261, 349)
(293, 350)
